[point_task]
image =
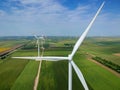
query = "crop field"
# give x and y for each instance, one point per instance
(16, 74)
(4, 49)
(9, 71)
(8, 44)
(11, 43)
(105, 48)
(98, 77)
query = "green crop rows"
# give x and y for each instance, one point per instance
(18, 74)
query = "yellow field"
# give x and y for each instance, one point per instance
(4, 49)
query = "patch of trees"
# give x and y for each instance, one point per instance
(108, 63)
(68, 44)
(33, 46)
(46, 45)
(29, 47)
(59, 48)
(3, 57)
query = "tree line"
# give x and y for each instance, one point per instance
(107, 63)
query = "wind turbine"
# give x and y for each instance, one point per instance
(40, 41)
(70, 56)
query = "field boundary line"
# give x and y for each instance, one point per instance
(105, 67)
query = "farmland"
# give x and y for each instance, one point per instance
(105, 48)
(18, 74)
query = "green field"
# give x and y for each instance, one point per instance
(11, 43)
(98, 77)
(26, 80)
(18, 74)
(9, 71)
(103, 47)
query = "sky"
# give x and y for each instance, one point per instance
(58, 17)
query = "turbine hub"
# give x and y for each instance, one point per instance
(70, 57)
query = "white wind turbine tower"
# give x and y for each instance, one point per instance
(70, 56)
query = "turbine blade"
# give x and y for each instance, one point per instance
(80, 76)
(31, 58)
(80, 40)
(44, 58)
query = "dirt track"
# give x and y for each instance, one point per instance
(37, 77)
(117, 54)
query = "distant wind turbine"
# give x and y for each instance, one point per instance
(70, 56)
(40, 41)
